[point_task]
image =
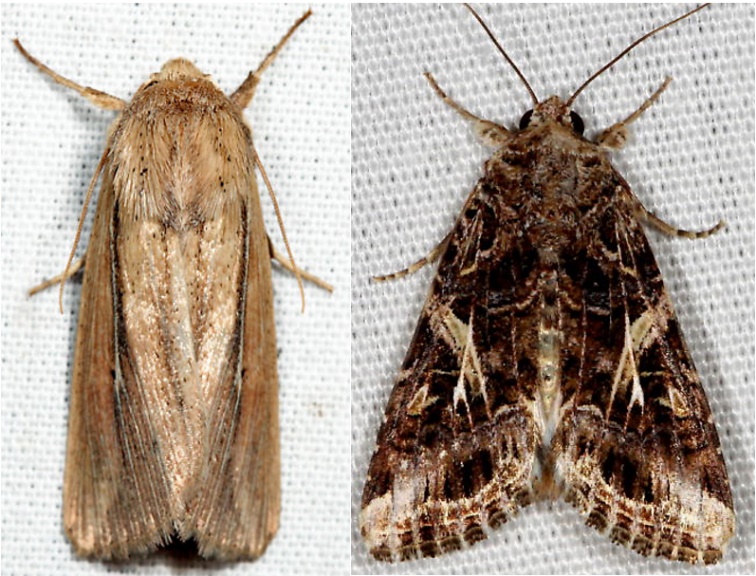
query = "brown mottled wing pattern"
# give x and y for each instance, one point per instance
(548, 361)
(636, 447)
(457, 450)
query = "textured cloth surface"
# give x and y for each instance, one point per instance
(51, 142)
(690, 159)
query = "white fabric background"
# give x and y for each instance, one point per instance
(51, 143)
(690, 159)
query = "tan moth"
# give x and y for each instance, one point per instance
(173, 427)
(548, 363)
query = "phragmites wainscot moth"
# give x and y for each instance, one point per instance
(548, 361)
(173, 428)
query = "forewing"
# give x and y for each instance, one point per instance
(116, 498)
(456, 451)
(636, 447)
(237, 502)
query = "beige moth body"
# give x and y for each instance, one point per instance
(173, 427)
(178, 279)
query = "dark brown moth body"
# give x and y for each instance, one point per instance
(548, 362)
(173, 430)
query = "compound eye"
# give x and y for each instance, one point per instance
(525, 120)
(577, 123)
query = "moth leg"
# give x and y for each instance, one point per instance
(649, 217)
(244, 93)
(490, 132)
(411, 269)
(60, 278)
(294, 269)
(97, 97)
(615, 136)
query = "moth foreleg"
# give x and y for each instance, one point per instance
(615, 136)
(97, 97)
(244, 93)
(490, 132)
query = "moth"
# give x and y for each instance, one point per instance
(548, 361)
(173, 427)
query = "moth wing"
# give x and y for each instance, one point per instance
(174, 403)
(456, 451)
(115, 494)
(237, 505)
(636, 447)
(195, 282)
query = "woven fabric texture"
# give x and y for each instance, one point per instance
(690, 159)
(51, 142)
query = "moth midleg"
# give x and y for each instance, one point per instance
(434, 254)
(277, 210)
(431, 257)
(291, 267)
(648, 217)
(59, 279)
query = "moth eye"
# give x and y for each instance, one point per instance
(525, 120)
(577, 123)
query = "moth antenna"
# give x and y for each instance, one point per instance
(506, 56)
(84, 208)
(281, 226)
(626, 50)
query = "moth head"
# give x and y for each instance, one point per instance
(553, 110)
(177, 69)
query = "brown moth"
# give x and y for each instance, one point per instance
(548, 362)
(173, 428)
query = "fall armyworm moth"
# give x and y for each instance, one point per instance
(173, 428)
(545, 357)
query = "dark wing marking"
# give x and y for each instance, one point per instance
(636, 448)
(457, 449)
